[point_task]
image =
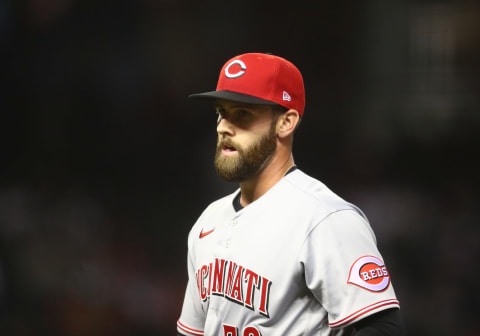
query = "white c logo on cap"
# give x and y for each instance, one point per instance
(238, 74)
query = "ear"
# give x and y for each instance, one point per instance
(287, 123)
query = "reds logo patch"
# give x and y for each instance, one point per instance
(370, 273)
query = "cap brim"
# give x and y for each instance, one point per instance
(233, 96)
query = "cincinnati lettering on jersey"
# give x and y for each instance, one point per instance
(234, 282)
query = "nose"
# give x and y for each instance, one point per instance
(225, 127)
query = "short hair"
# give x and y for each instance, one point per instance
(279, 109)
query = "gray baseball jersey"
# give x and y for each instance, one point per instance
(298, 261)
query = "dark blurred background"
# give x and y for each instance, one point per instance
(105, 164)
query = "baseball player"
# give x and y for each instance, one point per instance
(283, 254)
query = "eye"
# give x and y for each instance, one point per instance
(219, 112)
(242, 114)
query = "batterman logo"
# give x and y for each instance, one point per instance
(238, 70)
(370, 273)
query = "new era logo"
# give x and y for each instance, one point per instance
(286, 96)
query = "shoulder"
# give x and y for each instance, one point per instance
(223, 203)
(309, 188)
(309, 193)
(222, 207)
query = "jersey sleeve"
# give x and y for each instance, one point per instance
(192, 317)
(344, 269)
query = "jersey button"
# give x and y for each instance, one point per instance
(227, 243)
(234, 222)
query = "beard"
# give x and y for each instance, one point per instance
(249, 161)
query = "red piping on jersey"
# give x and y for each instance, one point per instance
(183, 327)
(361, 312)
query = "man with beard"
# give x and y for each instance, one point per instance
(283, 254)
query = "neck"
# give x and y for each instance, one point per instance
(275, 169)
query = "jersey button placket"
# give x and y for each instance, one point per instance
(228, 238)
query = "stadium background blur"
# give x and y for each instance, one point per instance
(105, 163)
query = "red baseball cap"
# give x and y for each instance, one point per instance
(257, 78)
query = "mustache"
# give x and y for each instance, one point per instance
(226, 142)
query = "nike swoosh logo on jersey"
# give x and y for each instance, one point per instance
(203, 234)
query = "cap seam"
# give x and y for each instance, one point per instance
(272, 87)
